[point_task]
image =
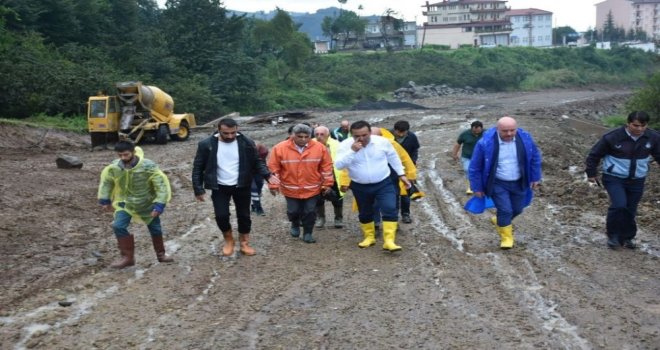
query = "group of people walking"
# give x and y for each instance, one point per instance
(316, 165)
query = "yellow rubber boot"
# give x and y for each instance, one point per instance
(506, 233)
(469, 190)
(369, 234)
(389, 235)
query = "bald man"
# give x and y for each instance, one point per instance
(506, 166)
(342, 132)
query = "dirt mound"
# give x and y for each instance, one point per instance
(26, 137)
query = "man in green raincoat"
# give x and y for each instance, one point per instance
(134, 188)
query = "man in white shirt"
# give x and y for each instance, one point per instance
(368, 159)
(225, 163)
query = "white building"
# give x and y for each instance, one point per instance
(531, 27)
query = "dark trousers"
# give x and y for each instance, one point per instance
(302, 212)
(366, 196)
(337, 205)
(624, 194)
(405, 204)
(257, 185)
(241, 197)
(509, 199)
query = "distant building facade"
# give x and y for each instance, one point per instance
(631, 14)
(531, 27)
(465, 22)
(387, 31)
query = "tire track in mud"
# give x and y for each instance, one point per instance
(448, 218)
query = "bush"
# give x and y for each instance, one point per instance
(648, 99)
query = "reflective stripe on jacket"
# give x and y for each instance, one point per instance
(623, 156)
(301, 174)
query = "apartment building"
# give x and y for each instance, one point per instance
(646, 16)
(531, 27)
(465, 22)
(380, 32)
(631, 14)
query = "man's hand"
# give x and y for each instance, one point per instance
(344, 188)
(325, 190)
(274, 191)
(479, 194)
(107, 207)
(154, 214)
(405, 180)
(535, 185)
(455, 156)
(274, 180)
(200, 197)
(356, 146)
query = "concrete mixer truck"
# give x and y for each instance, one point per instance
(137, 112)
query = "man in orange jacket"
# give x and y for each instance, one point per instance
(304, 169)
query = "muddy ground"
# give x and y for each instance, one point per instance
(450, 287)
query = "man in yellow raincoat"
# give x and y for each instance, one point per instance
(134, 187)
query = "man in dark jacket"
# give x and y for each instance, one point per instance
(225, 163)
(408, 140)
(626, 153)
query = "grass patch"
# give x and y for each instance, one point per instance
(76, 124)
(615, 120)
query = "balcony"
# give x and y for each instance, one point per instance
(491, 30)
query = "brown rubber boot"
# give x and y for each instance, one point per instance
(159, 247)
(244, 238)
(228, 248)
(126, 249)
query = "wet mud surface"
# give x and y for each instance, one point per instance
(451, 287)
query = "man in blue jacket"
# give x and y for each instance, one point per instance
(506, 166)
(626, 153)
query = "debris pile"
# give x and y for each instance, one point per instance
(412, 91)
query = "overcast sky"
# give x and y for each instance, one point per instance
(579, 14)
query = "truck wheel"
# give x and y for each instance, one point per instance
(183, 134)
(161, 134)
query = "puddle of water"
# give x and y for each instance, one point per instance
(80, 307)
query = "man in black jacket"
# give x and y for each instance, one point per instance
(408, 140)
(225, 163)
(626, 153)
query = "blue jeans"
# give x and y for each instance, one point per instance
(509, 200)
(624, 193)
(123, 219)
(466, 165)
(366, 196)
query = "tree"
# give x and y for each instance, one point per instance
(390, 26)
(611, 32)
(348, 26)
(561, 33)
(279, 39)
(197, 31)
(648, 99)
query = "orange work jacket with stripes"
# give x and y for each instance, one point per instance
(301, 174)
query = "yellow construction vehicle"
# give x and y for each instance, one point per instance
(136, 112)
